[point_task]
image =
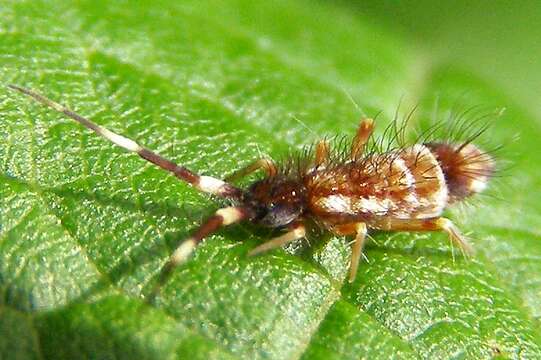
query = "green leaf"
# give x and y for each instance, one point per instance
(85, 227)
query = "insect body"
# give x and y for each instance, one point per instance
(404, 189)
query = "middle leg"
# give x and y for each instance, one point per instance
(357, 250)
(366, 127)
(360, 230)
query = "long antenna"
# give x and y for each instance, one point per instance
(205, 184)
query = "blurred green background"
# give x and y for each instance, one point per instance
(498, 40)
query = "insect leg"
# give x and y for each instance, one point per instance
(357, 249)
(205, 184)
(364, 132)
(322, 152)
(266, 164)
(433, 224)
(298, 231)
(360, 230)
(222, 217)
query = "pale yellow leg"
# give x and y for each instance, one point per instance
(366, 127)
(297, 232)
(322, 152)
(456, 236)
(357, 250)
(266, 164)
(434, 224)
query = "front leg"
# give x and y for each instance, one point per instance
(322, 153)
(266, 164)
(296, 231)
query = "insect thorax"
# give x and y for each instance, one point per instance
(276, 201)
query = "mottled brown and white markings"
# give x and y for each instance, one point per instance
(402, 189)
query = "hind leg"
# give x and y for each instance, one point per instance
(433, 224)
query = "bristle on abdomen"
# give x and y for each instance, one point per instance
(467, 169)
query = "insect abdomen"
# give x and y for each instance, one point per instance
(416, 182)
(404, 184)
(467, 169)
(429, 185)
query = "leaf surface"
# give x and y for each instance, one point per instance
(85, 227)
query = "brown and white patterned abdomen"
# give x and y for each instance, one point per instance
(403, 184)
(429, 181)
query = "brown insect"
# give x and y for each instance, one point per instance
(402, 189)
